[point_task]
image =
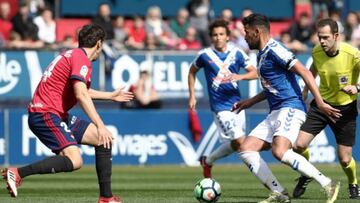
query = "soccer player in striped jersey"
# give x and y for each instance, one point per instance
(277, 68)
(221, 63)
(338, 65)
(65, 82)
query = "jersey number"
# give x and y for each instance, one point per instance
(50, 68)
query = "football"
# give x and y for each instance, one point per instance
(207, 190)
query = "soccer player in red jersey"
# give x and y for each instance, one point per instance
(66, 82)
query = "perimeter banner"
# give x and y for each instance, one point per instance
(145, 138)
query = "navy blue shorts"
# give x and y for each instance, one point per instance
(56, 133)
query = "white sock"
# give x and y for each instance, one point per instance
(261, 170)
(223, 150)
(300, 164)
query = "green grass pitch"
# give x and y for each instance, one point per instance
(164, 184)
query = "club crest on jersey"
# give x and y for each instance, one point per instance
(343, 80)
(84, 70)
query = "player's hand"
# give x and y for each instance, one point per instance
(105, 137)
(350, 89)
(192, 103)
(330, 111)
(120, 95)
(244, 104)
(234, 77)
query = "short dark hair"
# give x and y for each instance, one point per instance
(219, 23)
(330, 22)
(90, 34)
(256, 20)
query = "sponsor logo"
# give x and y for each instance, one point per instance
(9, 74)
(2, 146)
(84, 70)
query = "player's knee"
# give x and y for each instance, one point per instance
(345, 161)
(278, 153)
(77, 161)
(299, 147)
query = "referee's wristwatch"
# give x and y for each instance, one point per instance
(357, 87)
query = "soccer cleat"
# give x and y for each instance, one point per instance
(13, 180)
(113, 199)
(354, 191)
(278, 197)
(332, 190)
(206, 167)
(300, 187)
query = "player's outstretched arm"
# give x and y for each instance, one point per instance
(251, 74)
(247, 103)
(191, 85)
(118, 95)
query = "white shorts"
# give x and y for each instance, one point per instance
(284, 122)
(231, 125)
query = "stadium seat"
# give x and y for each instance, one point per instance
(69, 27)
(277, 27)
(302, 8)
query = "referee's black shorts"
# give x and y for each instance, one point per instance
(344, 128)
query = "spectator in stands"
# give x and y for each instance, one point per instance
(151, 42)
(46, 25)
(238, 34)
(199, 19)
(5, 24)
(35, 6)
(137, 35)
(103, 18)
(189, 42)
(155, 26)
(335, 15)
(320, 9)
(181, 23)
(146, 97)
(24, 25)
(293, 45)
(120, 33)
(301, 29)
(351, 23)
(68, 43)
(355, 37)
(16, 42)
(227, 15)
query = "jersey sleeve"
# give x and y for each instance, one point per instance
(243, 59)
(198, 62)
(357, 60)
(283, 57)
(80, 68)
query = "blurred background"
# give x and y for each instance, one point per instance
(149, 47)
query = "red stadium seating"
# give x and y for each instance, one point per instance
(277, 27)
(69, 27)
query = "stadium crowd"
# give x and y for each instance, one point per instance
(33, 26)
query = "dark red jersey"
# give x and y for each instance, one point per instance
(55, 92)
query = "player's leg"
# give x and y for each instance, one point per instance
(232, 133)
(345, 132)
(259, 140)
(103, 161)
(315, 122)
(55, 134)
(348, 165)
(286, 134)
